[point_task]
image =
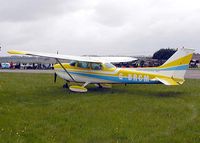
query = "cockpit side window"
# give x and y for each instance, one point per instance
(84, 65)
(96, 66)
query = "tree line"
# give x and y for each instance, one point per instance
(164, 54)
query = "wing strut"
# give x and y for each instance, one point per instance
(65, 69)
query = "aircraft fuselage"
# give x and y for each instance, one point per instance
(112, 75)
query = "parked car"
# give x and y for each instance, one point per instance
(5, 65)
(26, 66)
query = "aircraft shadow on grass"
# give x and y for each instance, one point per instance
(134, 91)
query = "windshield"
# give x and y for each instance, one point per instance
(109, 65)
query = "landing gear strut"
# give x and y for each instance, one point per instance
(103, 85)
(66, 85)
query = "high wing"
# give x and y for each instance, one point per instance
(75, 58)
(116, 59)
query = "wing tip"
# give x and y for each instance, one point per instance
(16, 52)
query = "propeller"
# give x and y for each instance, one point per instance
(55, 77)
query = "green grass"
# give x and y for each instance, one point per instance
(34, 109)
(194, 68)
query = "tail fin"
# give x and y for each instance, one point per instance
(176, 66)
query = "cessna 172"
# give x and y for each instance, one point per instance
(101, 71)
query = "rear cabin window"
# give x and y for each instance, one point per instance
(96, 66)
(84, 65)
(72, 63)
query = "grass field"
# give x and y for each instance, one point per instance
(33, 109)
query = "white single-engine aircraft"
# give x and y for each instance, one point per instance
(101, 71)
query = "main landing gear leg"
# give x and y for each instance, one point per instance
(103, 85)
(66, 85)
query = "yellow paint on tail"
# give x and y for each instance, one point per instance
(181, 61)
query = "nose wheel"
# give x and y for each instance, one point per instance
(79, 89)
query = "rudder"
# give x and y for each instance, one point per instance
(177, 64)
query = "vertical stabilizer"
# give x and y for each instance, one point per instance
(177, 64)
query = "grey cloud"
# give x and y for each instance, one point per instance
(111, 13)
(115, 27)
(24, 10)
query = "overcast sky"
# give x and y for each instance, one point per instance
(100, 27)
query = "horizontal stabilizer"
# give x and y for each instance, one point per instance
(167, 81)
